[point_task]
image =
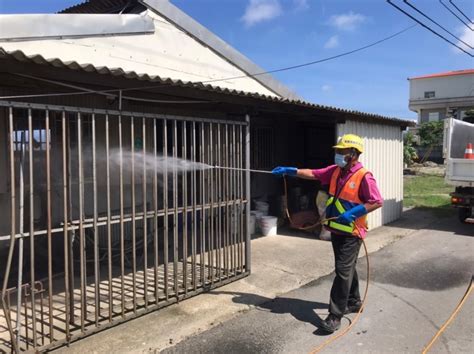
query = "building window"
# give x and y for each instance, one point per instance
(429, 94)
(22, 137)
(433, 116)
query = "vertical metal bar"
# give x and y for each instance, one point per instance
(211, 195)
(238, 199)
(96, 229)
(206, 203)
(145, 219)
(134, 232)
(83, 269)
(155, 207)
(194, 216)
(219, 197)
(48, 212)
(66, 225)
(165, 204)
(231, 204)
(109, 217)
(6, 308)
(21, 222)
(42, 316)
(32, 226)
(122, 231)
(203, 211)
(72, 235)
(229, 199)
(241, 197)
(175, 207)
(27, 337)
(247, 193)
(226, 199)
(185, 207)
(234, 198)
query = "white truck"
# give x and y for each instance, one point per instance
(458, 136)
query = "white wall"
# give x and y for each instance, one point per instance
(444, 87)
(383, 156)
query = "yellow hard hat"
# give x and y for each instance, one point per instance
(350, 141)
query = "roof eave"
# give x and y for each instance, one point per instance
(223, 49)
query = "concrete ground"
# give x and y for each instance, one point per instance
(415, 285)
(280, 264)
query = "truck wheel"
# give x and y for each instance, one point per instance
(463, 214)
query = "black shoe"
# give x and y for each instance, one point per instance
(331, 323)
(353, 307)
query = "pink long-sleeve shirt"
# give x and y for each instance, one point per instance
(368, 192)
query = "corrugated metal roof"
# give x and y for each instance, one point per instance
(118, 72)
(98, 6)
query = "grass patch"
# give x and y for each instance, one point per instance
(426, 191)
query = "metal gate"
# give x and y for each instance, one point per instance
(114, 214)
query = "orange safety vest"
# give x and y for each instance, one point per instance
(347, 198)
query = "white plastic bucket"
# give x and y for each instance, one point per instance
(257, 215)
(268, 225)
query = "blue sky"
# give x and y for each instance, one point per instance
(279, 33)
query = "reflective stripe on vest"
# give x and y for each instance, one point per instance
(350, 195)
(341, 227)
(335, 225)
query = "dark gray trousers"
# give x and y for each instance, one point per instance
(345, 287)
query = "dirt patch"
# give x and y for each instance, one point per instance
(419, 169)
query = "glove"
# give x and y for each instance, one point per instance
(280, 171)
(349, 216)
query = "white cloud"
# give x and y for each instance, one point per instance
(261, 10)
(301, 4)
(332, 42)
(347, 22)
(326, 88)
(468, 37)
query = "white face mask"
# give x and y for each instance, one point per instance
(340, 160)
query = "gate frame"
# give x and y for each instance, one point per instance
(81, 333)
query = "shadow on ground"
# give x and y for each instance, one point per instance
(302, 310)
(439, 219)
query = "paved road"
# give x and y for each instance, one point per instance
(415, 284)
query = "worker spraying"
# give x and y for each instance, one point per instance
(353, 194)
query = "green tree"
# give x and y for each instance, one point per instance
(409, 151)
(469, 117)
(431, 135)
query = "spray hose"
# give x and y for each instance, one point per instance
(356, 318)
(451, 318)
(322, 220)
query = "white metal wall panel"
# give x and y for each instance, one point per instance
(383, 156)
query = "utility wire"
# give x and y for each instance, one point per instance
(460, 11)
(436, 23)
(326, 59)
(224, 79)
(456, 15)
(428, 28)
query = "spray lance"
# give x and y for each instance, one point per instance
(241, 169)
(322, 220)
